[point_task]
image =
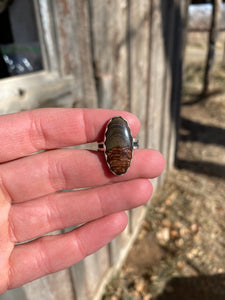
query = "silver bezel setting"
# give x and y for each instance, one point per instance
(102, 145)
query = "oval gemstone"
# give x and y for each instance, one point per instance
(118, 145)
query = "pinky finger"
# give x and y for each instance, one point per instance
(50, 254)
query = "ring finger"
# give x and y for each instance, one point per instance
(60, 210)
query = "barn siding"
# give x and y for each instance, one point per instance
(121, 54)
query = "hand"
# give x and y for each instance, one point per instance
(30, 206)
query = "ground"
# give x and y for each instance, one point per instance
(181, 240)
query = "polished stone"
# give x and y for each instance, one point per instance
(118, 145)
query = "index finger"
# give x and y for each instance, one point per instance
(49, 128)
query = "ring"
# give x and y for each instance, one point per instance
(118, 145)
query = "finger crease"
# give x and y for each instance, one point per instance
(36, 133)
(84, 126)
(100, 204)
(42, 260)
(53, 213)
(78, 245)
(10, 274)
(12, 230)
(56, 175)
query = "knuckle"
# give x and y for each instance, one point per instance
(56, 176)
(36, 132)
(100, 204)
(79, 246)
(53, 214)
(43, 260)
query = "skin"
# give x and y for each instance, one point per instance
(30, 206)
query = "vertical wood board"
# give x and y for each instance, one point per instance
(139, 21)
(179, 16)
(72, 23)
(109, 46)
(156, 78)
(88, 274)
(120, 46)
(168, 12)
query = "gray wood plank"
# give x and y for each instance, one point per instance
(88, 274)
(139, 21)
(72, 25)
(109, 44)
(155, 80)
(55, 286)
(179, 29)
(168, 24)
(121, 92)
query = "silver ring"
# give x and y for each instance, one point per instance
(118, 145)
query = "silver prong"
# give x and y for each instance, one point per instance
(135, 144)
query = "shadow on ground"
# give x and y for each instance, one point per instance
(206, 168)
(203, 133)
(197, 98)
(186, 288)
(208, 135)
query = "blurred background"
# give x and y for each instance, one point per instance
(180, 250)
(163, 60)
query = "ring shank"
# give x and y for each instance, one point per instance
(135, 144)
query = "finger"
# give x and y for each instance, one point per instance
(53, 253)
(63, 210)
(69, 169)
(6, 244)
(27, 132)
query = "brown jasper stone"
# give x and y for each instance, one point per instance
(118, 145)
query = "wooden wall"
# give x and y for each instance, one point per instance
(122, 54)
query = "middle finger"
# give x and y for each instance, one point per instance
(63, 169)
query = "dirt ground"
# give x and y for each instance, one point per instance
(181, 245)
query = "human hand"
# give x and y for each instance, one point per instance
(30, 206)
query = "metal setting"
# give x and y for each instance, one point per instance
(118, 145)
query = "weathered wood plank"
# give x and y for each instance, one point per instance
(72, 25)
(120, 44)
(101, 20)
(109, 46)
(139, 54)
(139, 22)
(55, 286)
(46, 28)
(83, 45)
(120, 97)
(179, 16)
(155, 80)
(88, 274)
(18, 294)
(156, 77)
(168, 11)
(37, 90)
